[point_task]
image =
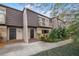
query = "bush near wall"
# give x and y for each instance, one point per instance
(58, 34)
(42, 37)
(55, 35)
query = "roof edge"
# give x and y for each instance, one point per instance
(9, 7)
(38, 13)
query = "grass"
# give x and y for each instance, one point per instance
(66, 50)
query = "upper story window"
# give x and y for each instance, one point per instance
(2, 15)
(2, 12)
(43, 21)
(39, 19)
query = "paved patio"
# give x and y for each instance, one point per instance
(22, 49)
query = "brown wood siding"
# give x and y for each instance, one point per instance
(32, 19)
(14, 17)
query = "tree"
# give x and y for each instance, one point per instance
(74, 28)
(57, 9)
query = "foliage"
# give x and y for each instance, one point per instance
(59, 34)
(43, 37)
(74, 30)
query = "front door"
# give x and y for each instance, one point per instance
(12, 33)
(31, 33)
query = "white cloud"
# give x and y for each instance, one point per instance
(28, 6)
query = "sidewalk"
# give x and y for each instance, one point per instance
(22, 49)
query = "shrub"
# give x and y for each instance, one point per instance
(42, 37)
(58, 34)
(75, 38)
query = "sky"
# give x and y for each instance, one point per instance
(14, 5)
(20, 7)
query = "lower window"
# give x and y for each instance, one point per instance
(45, 31)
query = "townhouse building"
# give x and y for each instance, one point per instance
(23, 25)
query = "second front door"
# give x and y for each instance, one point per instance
(31, 33)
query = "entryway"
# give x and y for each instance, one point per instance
(31, 33)
(12, 33)
(13, 36)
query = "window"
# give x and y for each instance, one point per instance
(2, 16)
(2, 12)
(43, 21)
(45, 31)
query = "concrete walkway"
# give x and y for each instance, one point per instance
(22, 49)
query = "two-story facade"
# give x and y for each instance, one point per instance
(11, 23)
(36, 23)
(22, 25)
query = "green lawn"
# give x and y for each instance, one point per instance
(66, 50)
